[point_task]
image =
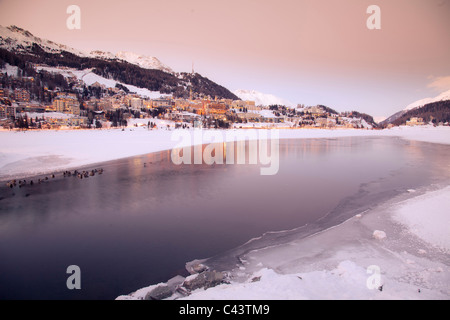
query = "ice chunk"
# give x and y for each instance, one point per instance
(379, 235)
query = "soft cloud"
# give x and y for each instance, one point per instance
(440, 83)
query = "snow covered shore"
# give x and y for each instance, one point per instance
(38, 152)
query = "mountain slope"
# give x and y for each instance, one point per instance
(438, 111)
(420, 103)
(20, 48)
(444, 96)
(18, 40)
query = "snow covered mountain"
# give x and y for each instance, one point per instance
(262, 99)
(16, 39)
(143, 61)
(444, 96)
(139, 73)
(104, 55)
(420, 103)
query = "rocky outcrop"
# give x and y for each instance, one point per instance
(159, 293)
(206, 279)
(179, 286)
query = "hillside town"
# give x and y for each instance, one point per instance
(98, 106)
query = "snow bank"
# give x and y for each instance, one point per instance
(426, 133)
(346, 281)
(428, 217)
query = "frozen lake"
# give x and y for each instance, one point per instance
(137, 224)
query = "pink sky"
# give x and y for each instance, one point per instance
(306, 51)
